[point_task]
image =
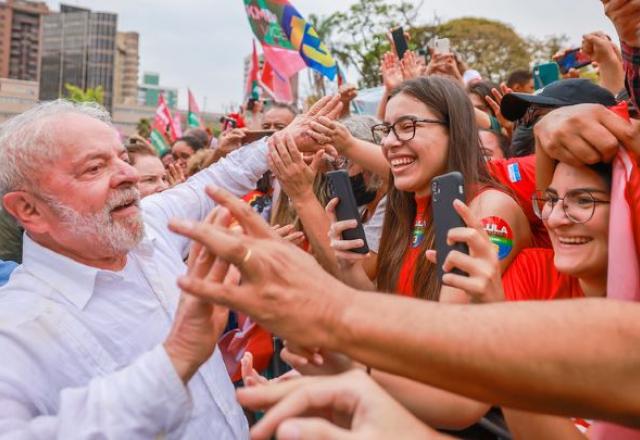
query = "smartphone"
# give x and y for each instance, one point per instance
(545, 74)
(442, 45)
(573, 59)
(254, 135)
(228, 123)
(444, 190)
(340, 186)
(399, 41)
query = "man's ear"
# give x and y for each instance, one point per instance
(26, 209)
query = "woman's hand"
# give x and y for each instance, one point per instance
(175, 175)
(483, 283)
(289, 234)
(332, 132)
(231, 140)
(445, 64)
(346, 259)
(606, 54)
(287, 164)
(391, 71)
(411, 67)
(313, 362)
(494, 104)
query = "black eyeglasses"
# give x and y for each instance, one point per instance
(404, 128)
(578, 205)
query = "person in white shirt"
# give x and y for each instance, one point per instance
(94, 340)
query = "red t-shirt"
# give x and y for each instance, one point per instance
(533, 276)
(404, 285)
(519, 175)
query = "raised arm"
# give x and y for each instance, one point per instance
(530, 356)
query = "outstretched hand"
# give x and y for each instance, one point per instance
(276, 290)
(355, 407)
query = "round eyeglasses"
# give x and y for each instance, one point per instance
(578, 205)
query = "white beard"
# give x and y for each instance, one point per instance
(114, 236)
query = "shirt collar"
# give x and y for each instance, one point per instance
(74, 280)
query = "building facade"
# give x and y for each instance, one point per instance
(20, 31)
(127, 60)
(78, 48)
(150, 91)
(16, 96)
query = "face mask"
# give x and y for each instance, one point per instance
(363, 195)
(523, 142)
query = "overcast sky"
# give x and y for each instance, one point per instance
(201, 43)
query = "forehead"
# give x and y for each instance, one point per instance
(281, 115)
(76, 135)
(567, 177)
(403, 105)
(148, 165)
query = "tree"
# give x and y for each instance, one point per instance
(143, 127)
(76, 94)
(542, 49)
(360, 34)
(488, 46)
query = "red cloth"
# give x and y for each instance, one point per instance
(404, 285)
(533, 276)
(519, 175)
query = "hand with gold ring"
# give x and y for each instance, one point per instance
(279, 281)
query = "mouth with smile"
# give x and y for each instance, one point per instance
(127, 207)
(400, 164)
(572, 242)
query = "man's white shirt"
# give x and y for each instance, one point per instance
(81, 347)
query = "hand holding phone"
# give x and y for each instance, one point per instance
(573, 59)
(347, 209)
(444, 190)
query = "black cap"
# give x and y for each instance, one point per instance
(557, 94)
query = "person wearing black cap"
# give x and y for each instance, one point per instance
(528, 109)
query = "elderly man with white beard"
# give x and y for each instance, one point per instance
(95, 336)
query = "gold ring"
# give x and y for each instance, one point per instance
(246, 258)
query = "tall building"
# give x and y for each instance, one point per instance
(125, 79)
(20, 26)
(150, 90)
(78, 48)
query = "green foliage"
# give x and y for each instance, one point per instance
(542, 49)
(488, 46)
(358, 37)
(76, 94)
(143, 127)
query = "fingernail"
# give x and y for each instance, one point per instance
(317, 359)
(289, 431)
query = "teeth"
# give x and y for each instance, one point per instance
(573, 240)
(402, 161)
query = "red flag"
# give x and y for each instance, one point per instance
(163, 121)
(252, 77)
(177, 123)
(275, 84)
(193, 114)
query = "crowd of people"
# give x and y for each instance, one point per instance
(213, 292)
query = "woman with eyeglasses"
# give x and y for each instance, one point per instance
(575, 210)
(429, 130)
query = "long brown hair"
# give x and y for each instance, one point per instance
(449, 102)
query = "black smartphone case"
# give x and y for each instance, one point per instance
(340, 187)
(400, 41)
(444, 190)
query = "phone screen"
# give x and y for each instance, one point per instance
(573, 59)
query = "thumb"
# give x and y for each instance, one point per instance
(311, 428)
(315, 163)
